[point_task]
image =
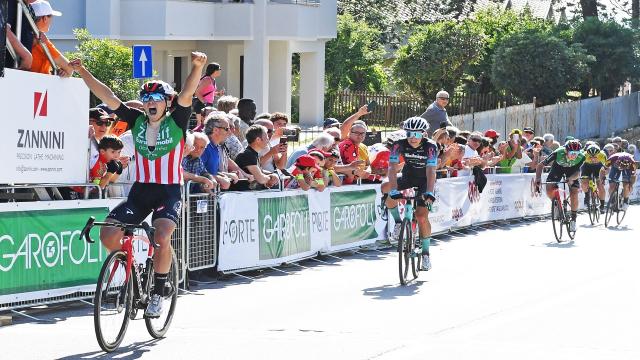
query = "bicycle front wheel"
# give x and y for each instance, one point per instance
(158, 327)
(416, 256)
(611, 207)
(404, 251)
(592, 208)
(112, 302)
(557, 218)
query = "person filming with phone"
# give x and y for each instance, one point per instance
(436, 113)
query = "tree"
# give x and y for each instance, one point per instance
(353, 60)
(436, 57)
(496, 24)
(615, 50)
(535, 63)
(109, 61)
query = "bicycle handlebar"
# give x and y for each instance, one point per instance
(91, 222)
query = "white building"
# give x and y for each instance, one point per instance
(252, 41)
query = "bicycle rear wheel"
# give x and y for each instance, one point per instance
(158, 327)
(557, 219)
(112, 302)
(404, 251)
(611, 207)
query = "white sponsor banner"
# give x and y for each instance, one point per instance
(44, 136)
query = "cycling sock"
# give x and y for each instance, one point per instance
(574, 215)
(396, 214)
(425, 245)
(159, 280)
(601, 203)
(626, 200)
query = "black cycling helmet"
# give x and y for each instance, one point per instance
(593, 150)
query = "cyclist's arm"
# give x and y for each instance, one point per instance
(431, 178)
(198, 60)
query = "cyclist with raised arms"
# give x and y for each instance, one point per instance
(159, 136)
(622, 164)
(595, 160)
(567, 161)
(420, 156)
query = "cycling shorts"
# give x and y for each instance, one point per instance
(164, 201)
(614, 174)
(557, 172)
(591, 170)
(409, 182)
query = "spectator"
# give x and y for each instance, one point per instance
(610, 149)
(302, 174)
(547, 146)
(26, 34)
(617, 143)
(345, 128)
(232, 143)
(527, 133)
(471, 157)
(193, 167)
(452, 132)
(280, 122)
(106, 168)
(272, 157)
(323, 142)
(466, 133)
(263, 116)
(353, 149)
(459, 139)
(247, 111)
(624, 145)
(40, 64)
(493, 135)
(331, 123)
(217, 129)
(329, 172)
(436, 113)
(510, 153)
(318, 177)
(335, 133)
(206, 90)
(379, 159)
(633, 150)
(249, 160)
(451, 161)
(227, 103)
(21, 51)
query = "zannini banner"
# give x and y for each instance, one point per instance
(45, 122)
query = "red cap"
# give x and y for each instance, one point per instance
(382, 160)
(306, 161)
(491, 133)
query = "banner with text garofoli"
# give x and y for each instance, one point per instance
(44, 137)
(42, 254)
(269, 228)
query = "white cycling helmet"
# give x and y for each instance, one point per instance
(415, 123)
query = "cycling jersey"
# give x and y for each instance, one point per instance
(416, 159)
(614, 160)
(599, 158)
(560, 157)
(162, 163)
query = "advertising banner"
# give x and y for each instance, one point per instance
(44, 128)
(41, 253)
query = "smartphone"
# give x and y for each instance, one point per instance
(516, 137)
(288, 132)
(283, 141)
(372, 106)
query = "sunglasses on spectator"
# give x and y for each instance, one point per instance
(359, 133)
(415, 134)
(152, 97)
(102, 122)
(223, 128)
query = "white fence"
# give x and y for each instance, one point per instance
(588, 118)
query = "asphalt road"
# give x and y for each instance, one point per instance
(502, 293)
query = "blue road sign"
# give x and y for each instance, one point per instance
(142, 62)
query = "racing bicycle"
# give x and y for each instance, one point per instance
(592, 206)
(560, 213)
(615, 204)
(409, 248)
(125, 286)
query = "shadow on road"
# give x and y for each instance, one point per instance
(562, 245)
(133, 351)
(390, 292)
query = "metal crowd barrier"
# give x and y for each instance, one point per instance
(201, 224)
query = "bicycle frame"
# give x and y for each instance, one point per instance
(131, 265)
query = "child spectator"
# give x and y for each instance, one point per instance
(106, 168)
(328, 170)
(320, 157)
(303, 174)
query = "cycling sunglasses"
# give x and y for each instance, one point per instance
(415, 134)
(152, 97)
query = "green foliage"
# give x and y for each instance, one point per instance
(436, 57)
(535, 63)
(109, 62)
(496, 25)
(616, 53)
(353, 60)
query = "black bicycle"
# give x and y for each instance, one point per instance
(124, 287)
(615, 204)
(409, 250)
(592, 205)
(560, 215)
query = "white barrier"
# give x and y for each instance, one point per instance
(44, 136)
(263, 229)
